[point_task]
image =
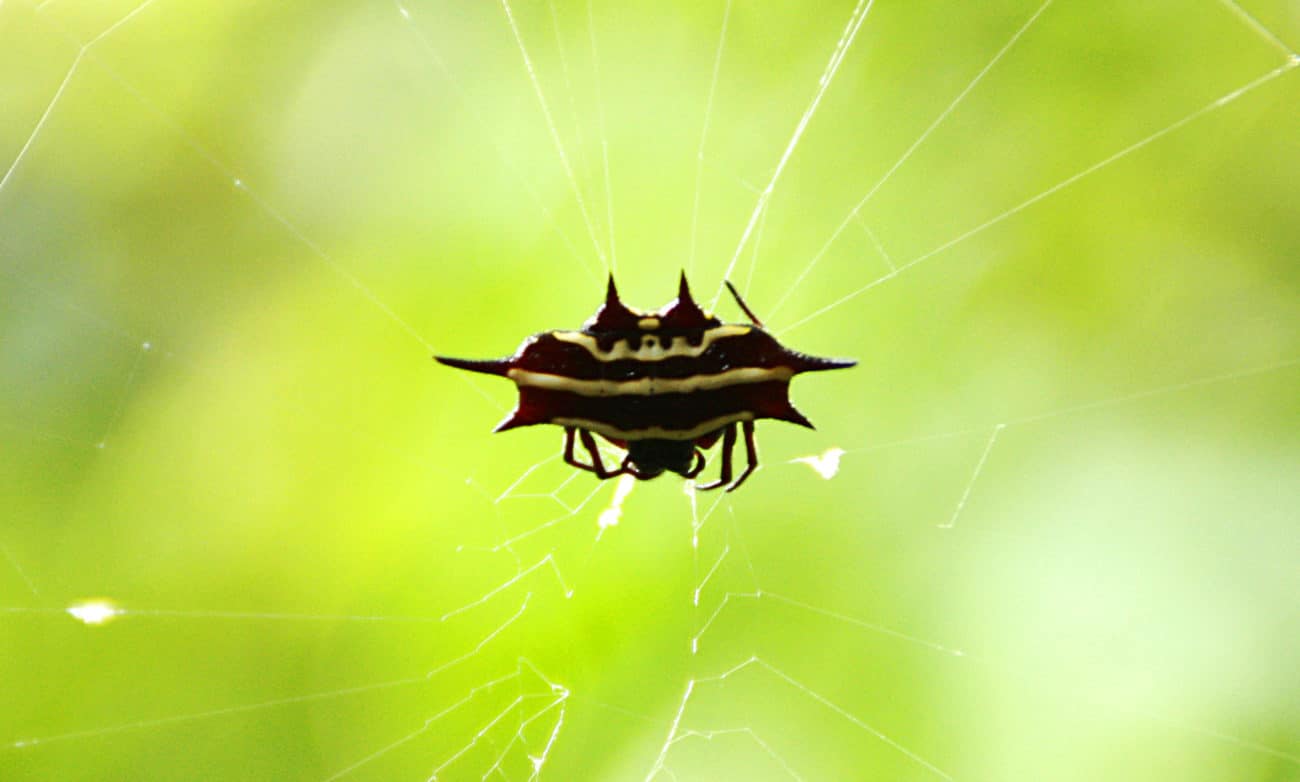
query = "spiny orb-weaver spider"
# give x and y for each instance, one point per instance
(662, 385)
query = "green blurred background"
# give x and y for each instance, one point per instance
(232, 233)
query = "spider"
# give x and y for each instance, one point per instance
(662, 385)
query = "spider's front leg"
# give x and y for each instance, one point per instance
(699, 465)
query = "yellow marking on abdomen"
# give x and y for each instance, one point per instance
(654, 432)
(677, 347)
(649, 386)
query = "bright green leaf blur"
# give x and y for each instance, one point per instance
(1062, 541)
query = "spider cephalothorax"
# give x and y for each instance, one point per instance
(663, 385)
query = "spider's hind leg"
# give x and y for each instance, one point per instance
(569, 459)
(751, 455)
(589, 444)
(724, 474)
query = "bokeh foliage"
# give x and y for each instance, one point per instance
(233, 231)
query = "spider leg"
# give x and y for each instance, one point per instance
(569, 458)
(626, 467)
(597, 466)
(751, 455)
(699, 465)
(742, 304)
(724, 475)
(588, 443)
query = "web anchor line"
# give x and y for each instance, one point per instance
(497, 145)
(856, 211)
(83, 49)
(979, 467)
(1187, 119)
(996, 430)
(85, 53)
(549, 559)
(145, 347)
(555, 133)
(1096, 404)
(604, 139)
(180, 719)
(856, 18)
(704, 135)
(556, 692)
(1259, 29)
(17, 568)
(675, 732)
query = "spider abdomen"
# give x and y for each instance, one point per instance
(662, 384)
(668, 416)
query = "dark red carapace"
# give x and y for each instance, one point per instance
(663, 385)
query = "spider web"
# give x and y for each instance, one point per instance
(1045, 530)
